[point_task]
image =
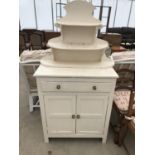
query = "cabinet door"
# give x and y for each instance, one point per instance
(92, 110)
(59, 111)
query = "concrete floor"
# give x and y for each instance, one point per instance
(32, 143)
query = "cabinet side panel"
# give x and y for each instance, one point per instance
(108, 113)
(42, 110)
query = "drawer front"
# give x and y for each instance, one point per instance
(47, 86)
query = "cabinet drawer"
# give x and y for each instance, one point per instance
(76, 86)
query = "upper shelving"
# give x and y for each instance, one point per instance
(79, 22)
(78, 42)
(57, 43)
(79, 13)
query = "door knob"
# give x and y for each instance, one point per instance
(78, 116)
(73, 116)
(94, 87)
(58, 87)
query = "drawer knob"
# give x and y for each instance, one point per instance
(94, 87)
(73, 116)
(58, 86)
(78, 116)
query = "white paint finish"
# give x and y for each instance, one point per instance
(81, 35)
(108, 114)
(59, 110)
(76, 86)
(78, 42)
(75, 79)
(89, 126)
(77, 56)
(79, 13)
(48, 61)
(79, 108)
(58, 43)
(78, 52)
(83, 135)
(92, 111)
(43, 71)
(43, 113)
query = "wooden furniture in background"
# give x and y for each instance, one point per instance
(114, 40)
(128, 36)
(127, 124)
(28, 32)
(131, 125)
(126, 78)
(123, 98)
(33, 39)
(22, 42)
(118, 49)
(37, 40)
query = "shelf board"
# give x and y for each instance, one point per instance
(58, 44)
(49, 61)
(79, 22)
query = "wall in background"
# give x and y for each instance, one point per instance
(42, 14)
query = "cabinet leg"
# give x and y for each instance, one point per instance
(46, 139)
(30, 103)
(104, 141)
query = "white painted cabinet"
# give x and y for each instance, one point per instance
(75, 107)
(76, 82)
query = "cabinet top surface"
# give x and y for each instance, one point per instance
(43, 71)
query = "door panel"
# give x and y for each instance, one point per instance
(92, 111)
(59, 111)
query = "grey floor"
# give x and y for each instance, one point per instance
(32, 143)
